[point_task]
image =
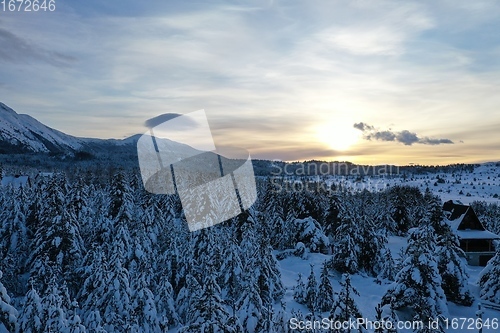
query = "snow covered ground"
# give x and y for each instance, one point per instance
(371, 292)
(483, 184)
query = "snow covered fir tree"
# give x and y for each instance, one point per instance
(84, 251)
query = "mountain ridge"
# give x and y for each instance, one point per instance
(21, 133)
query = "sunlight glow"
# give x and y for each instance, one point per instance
(339, 135)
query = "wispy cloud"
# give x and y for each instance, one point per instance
(405, 137)
(18, 50)
(267, 75)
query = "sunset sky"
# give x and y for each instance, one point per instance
(365, 81)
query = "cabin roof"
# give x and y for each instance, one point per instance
(464, 221)
(455, 210)
(476, 234)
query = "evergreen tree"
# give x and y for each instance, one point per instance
(187, 298)
(78, 201)
(418, 284)
(452, 268)
(14, 241)
(209, 314)
(451, 258)
(489, 279)
(54, 309)
(144, 314)
(373, 242)
(8, 314)
(231, 275)
(269, 276)
(389, 320)
(346, 246)
(332, 220)
(325, 296)
(250, 308)
(260, 270)
(74, 321)
(434, 212)
(58, 247)
(121, 206)
(387, 270)
(299, 316)
(279, 323)
(299, 291)
(399, 213)
(204, 251)
(95, 274)
(93, 322)
(345, 308)
(271, 206)
(31, 319)
(165, 305)
(311, 291)
(308, 231)
(116, 301)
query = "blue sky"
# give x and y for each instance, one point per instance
(284, 79)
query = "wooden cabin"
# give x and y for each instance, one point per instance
(477, 242)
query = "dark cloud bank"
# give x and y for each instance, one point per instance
(405, 137)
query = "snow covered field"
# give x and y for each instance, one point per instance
(483, 184)
(371, 292)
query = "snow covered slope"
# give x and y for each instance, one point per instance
(23, 133)
(371, 292)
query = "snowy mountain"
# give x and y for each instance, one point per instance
(23, 133)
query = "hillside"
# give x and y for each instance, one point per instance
(23, 133)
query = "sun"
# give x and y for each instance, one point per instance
(340, 135)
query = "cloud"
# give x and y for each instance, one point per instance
(385, 136)
(362, 126)
(405, 137)
(16, 49)
(367, 42)
(266, 78)
(429, 141)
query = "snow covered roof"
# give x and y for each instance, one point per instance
(455, 209)
(456, 223)
(15, 181)
(464, 221)
(476, 234)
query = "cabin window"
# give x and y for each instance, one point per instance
(476, 245)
